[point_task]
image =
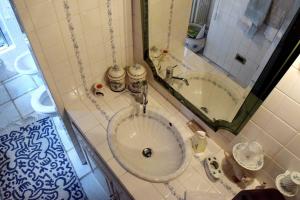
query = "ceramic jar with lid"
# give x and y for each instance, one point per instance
(136, 74)
(116, 78)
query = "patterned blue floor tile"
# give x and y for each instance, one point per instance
(33, 165)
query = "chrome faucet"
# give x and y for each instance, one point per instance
(143, 95)
(182, 79)
(169, 75)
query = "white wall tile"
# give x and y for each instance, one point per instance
(33, 2)
(49, 35)
(87, 5)
(48, 31)
(274, 99)
(287, 160)
(296, 64)
(90, 19)
(279, 129)
(61, 70)
(287, 82)
(55, 54)
(293, 92)
(261, 117)
(276, 125)
(269, 144)
(289, 111)
(42, 13)
(294, 145)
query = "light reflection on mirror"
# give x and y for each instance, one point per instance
(213, 51)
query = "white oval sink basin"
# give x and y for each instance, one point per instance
(212, 93)
(148, 145)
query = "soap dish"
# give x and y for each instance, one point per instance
(212, 168)
(283, 191)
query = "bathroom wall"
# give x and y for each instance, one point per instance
(157, 9)
(276, 125)
(224, 32)
(47, 29)
(159, 15)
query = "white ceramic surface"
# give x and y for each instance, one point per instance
(130, 132)
(283, 191)
(254, 164)
(41, 102)
(24, 64)
(211, 91)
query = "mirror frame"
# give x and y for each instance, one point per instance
(280, 61)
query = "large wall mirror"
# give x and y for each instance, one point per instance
(220, 58)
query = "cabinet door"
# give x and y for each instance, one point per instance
(101, 171)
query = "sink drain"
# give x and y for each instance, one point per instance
(147, 152)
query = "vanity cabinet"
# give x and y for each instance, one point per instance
(105, 176)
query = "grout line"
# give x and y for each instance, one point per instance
(12, 101)
(87, 174)
(11, 78)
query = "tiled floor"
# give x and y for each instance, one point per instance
(8, 112)
(15, 97)
(6, 74)
(91, 180)
(23, 104)
(4, 97)
(15, 104)
(20, 85)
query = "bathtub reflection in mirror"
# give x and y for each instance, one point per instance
(213, 51)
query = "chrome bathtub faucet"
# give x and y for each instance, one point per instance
(169, 76)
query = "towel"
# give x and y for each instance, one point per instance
(270, 33)
(257, 11)
(277, 13)
(254, 16)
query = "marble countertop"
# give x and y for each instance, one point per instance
(92, 116)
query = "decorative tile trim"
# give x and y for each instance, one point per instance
(215, 83)
(173, 191)
(111, 31)
(226, 90)
(79, 60)
(170, 24)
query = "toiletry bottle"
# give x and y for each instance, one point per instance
(199, 141)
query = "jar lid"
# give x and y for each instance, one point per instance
(202, 134)
(136, 70)
(116, 72)
(295, 176)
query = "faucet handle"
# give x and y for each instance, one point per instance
(144, 82)
(172, 67)
(169, 71)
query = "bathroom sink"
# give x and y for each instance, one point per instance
(148, 145)
(211, 93)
